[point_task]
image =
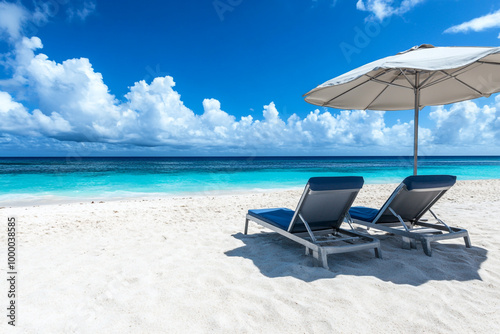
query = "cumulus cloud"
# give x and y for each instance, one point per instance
(74, 104)
(381, 9)
(17, 120)
(467, 124)
(15, 117)
(488, 21)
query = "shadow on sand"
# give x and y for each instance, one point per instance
(276, 256)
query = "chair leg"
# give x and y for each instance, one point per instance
(246, 226)
(319, 258)
(426, 245)
(406, 243)
(324, 260)
(467, 241)
(315, 255)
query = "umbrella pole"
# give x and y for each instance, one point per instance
(415, 130)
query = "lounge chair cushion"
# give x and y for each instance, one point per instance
(323, 205)
(363, 213)
(280, 217)
(332, 183)
(429, 181)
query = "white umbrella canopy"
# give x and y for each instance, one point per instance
(422, 76)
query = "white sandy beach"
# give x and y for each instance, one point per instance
(183, 265)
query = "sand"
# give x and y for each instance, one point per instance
(183, 265)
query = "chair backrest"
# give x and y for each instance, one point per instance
(325, 202)
(414, 197)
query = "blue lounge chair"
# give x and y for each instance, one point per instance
(402, 212)
(316, 222)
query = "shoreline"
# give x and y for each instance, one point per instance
(27, 200)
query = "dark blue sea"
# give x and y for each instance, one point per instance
(76, 177)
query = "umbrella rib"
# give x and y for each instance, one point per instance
(428, 78)
(470, 87)
(449, 76)
(325, 87)
(488, 62)
(390, 83)
(452, 76)
(347, 91)
(383, 90)
(421, 84)
(407, 79)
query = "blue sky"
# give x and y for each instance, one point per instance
(90, 77)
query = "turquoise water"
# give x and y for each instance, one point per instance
(23, 178)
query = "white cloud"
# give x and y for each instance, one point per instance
(478, 24)
(71, 89)
(75, 104)
(466, 124)
(15, 117)
(159, 115)
(216, 119)
(17, 120)
(382, 9)
(12, 18)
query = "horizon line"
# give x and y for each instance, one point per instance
(245, 156)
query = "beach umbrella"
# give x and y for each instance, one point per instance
(421, 76)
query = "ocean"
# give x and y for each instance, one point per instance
(75, 178)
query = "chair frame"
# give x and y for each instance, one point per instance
(322, 242)
(426, 233)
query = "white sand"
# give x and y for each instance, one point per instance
(182, 265)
